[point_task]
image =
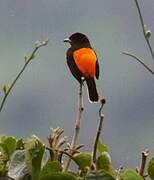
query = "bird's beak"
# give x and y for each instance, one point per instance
(67, 40)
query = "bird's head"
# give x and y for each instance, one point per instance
(78, 40)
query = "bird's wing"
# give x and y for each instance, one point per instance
(72, 66)
(97, 69)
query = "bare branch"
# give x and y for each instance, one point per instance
(144, 29)
(146, 34)
(27, 61)
(140, 61)
(76, 129)
(143, 162)
(99, 129)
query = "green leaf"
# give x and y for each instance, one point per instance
(104, 162)
(9, 143)
(34, 150)
(7, 147)
(151, 168)
(101, 147)
(3, 161)
(59, 176)
(83, 159)
(53, 166)
(99, 175)
(131, 175)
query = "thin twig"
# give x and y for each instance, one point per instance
(140, 61)
(76, 129)
(143, 162)
(40, 44)
(146, 34)
(143, 28)
(99, 129)
(60, 151)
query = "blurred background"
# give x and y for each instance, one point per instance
(46, 95)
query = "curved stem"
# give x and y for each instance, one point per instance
(143, 28)
(44, 43)
(140, 61)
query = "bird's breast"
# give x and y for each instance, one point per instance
(85, 59)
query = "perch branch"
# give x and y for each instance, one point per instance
(76, 129)
(7, 92)
(99, 129)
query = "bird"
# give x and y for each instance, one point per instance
(83, 63)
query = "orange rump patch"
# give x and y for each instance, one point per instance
(85, 59)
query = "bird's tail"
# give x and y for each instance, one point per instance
(92, 91)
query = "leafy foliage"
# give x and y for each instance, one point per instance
(54, 166)
(8, 144)
(151, 168)
(29, 160)
(7, 147)
(101, 147)
(104, 163)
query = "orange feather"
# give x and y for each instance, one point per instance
(85, 59)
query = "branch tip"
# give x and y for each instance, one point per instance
(98, 132)
(103, 101)
(38, 45)
(145, 154)
(139, 60)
